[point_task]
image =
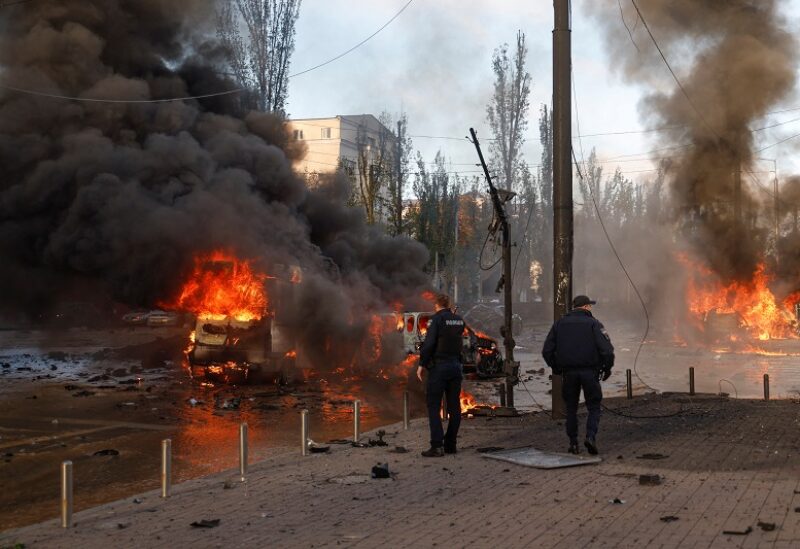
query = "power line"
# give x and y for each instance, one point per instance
(134, 101)
(367, 39)
(674, 76)
(187, 98)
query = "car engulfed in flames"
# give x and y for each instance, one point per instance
(239, 313)
(480, 354)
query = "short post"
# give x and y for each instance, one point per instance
(243, 450)
(629, 383)
(166, 467)
(66, 494)
(304, 431)
(691, 380)
(356, 420)
(766, 386)
(405, 411)
(501, 391)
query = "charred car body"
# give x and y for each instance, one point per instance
(480, 354)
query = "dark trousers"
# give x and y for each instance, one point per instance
(573, 382)
(444, 379)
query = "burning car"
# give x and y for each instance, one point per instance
(239, 314)
(480, 353)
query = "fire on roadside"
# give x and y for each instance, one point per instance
(222, 285)
(752, 301)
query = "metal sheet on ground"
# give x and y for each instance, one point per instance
(531, 457)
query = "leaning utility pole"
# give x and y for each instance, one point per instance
(510, 367)
(562, 176)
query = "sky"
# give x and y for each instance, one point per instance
(434, 63)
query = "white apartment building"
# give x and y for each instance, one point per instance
(339, 141)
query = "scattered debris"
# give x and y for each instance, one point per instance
(106, 452)
(669, 518)
(652, 456)
(649, 480)
(738, 532)
(228, 403)
(766, 526)
(399, 450)
(315, 448)
(379, 441)
(137, 500)
(71, 387)
(194, 402)
(381, 471)
(487, 449)
(617, 501)
(123, 525)
(206, 523)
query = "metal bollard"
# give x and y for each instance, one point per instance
(304, 431)
(501, 391)
(405, 411)
(629, 383)
(356, 420)
(243, 450)
(166, 467)
(691, 380)
(766, 386)
(66, 494)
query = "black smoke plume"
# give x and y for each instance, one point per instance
(118, 197)
(735, 60)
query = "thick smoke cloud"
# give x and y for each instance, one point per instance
(119, 197)
(735, 59)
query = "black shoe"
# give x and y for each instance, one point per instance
(450, 449)
(591, 445)
(433, 452)
(573, 448)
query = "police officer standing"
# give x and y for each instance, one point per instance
(441, 356)
(579, 349)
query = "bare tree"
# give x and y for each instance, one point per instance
(260, 58)
(507, 111)
(375, 154)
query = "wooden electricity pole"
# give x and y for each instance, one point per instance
(562, 177)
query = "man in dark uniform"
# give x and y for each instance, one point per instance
(441, 356)
(579, 349)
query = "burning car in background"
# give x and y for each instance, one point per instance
(480, 353)
(239, 313)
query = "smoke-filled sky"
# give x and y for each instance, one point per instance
(115, 199)
(434, 62)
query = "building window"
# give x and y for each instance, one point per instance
(298, 134)
(326, 133)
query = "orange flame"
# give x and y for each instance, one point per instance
(467, 401)
(221, 285)
(751, 300)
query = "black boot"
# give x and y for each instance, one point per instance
(574, 448)
(591, 445)
(433, 452)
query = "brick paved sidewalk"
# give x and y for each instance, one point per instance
(729, 464)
